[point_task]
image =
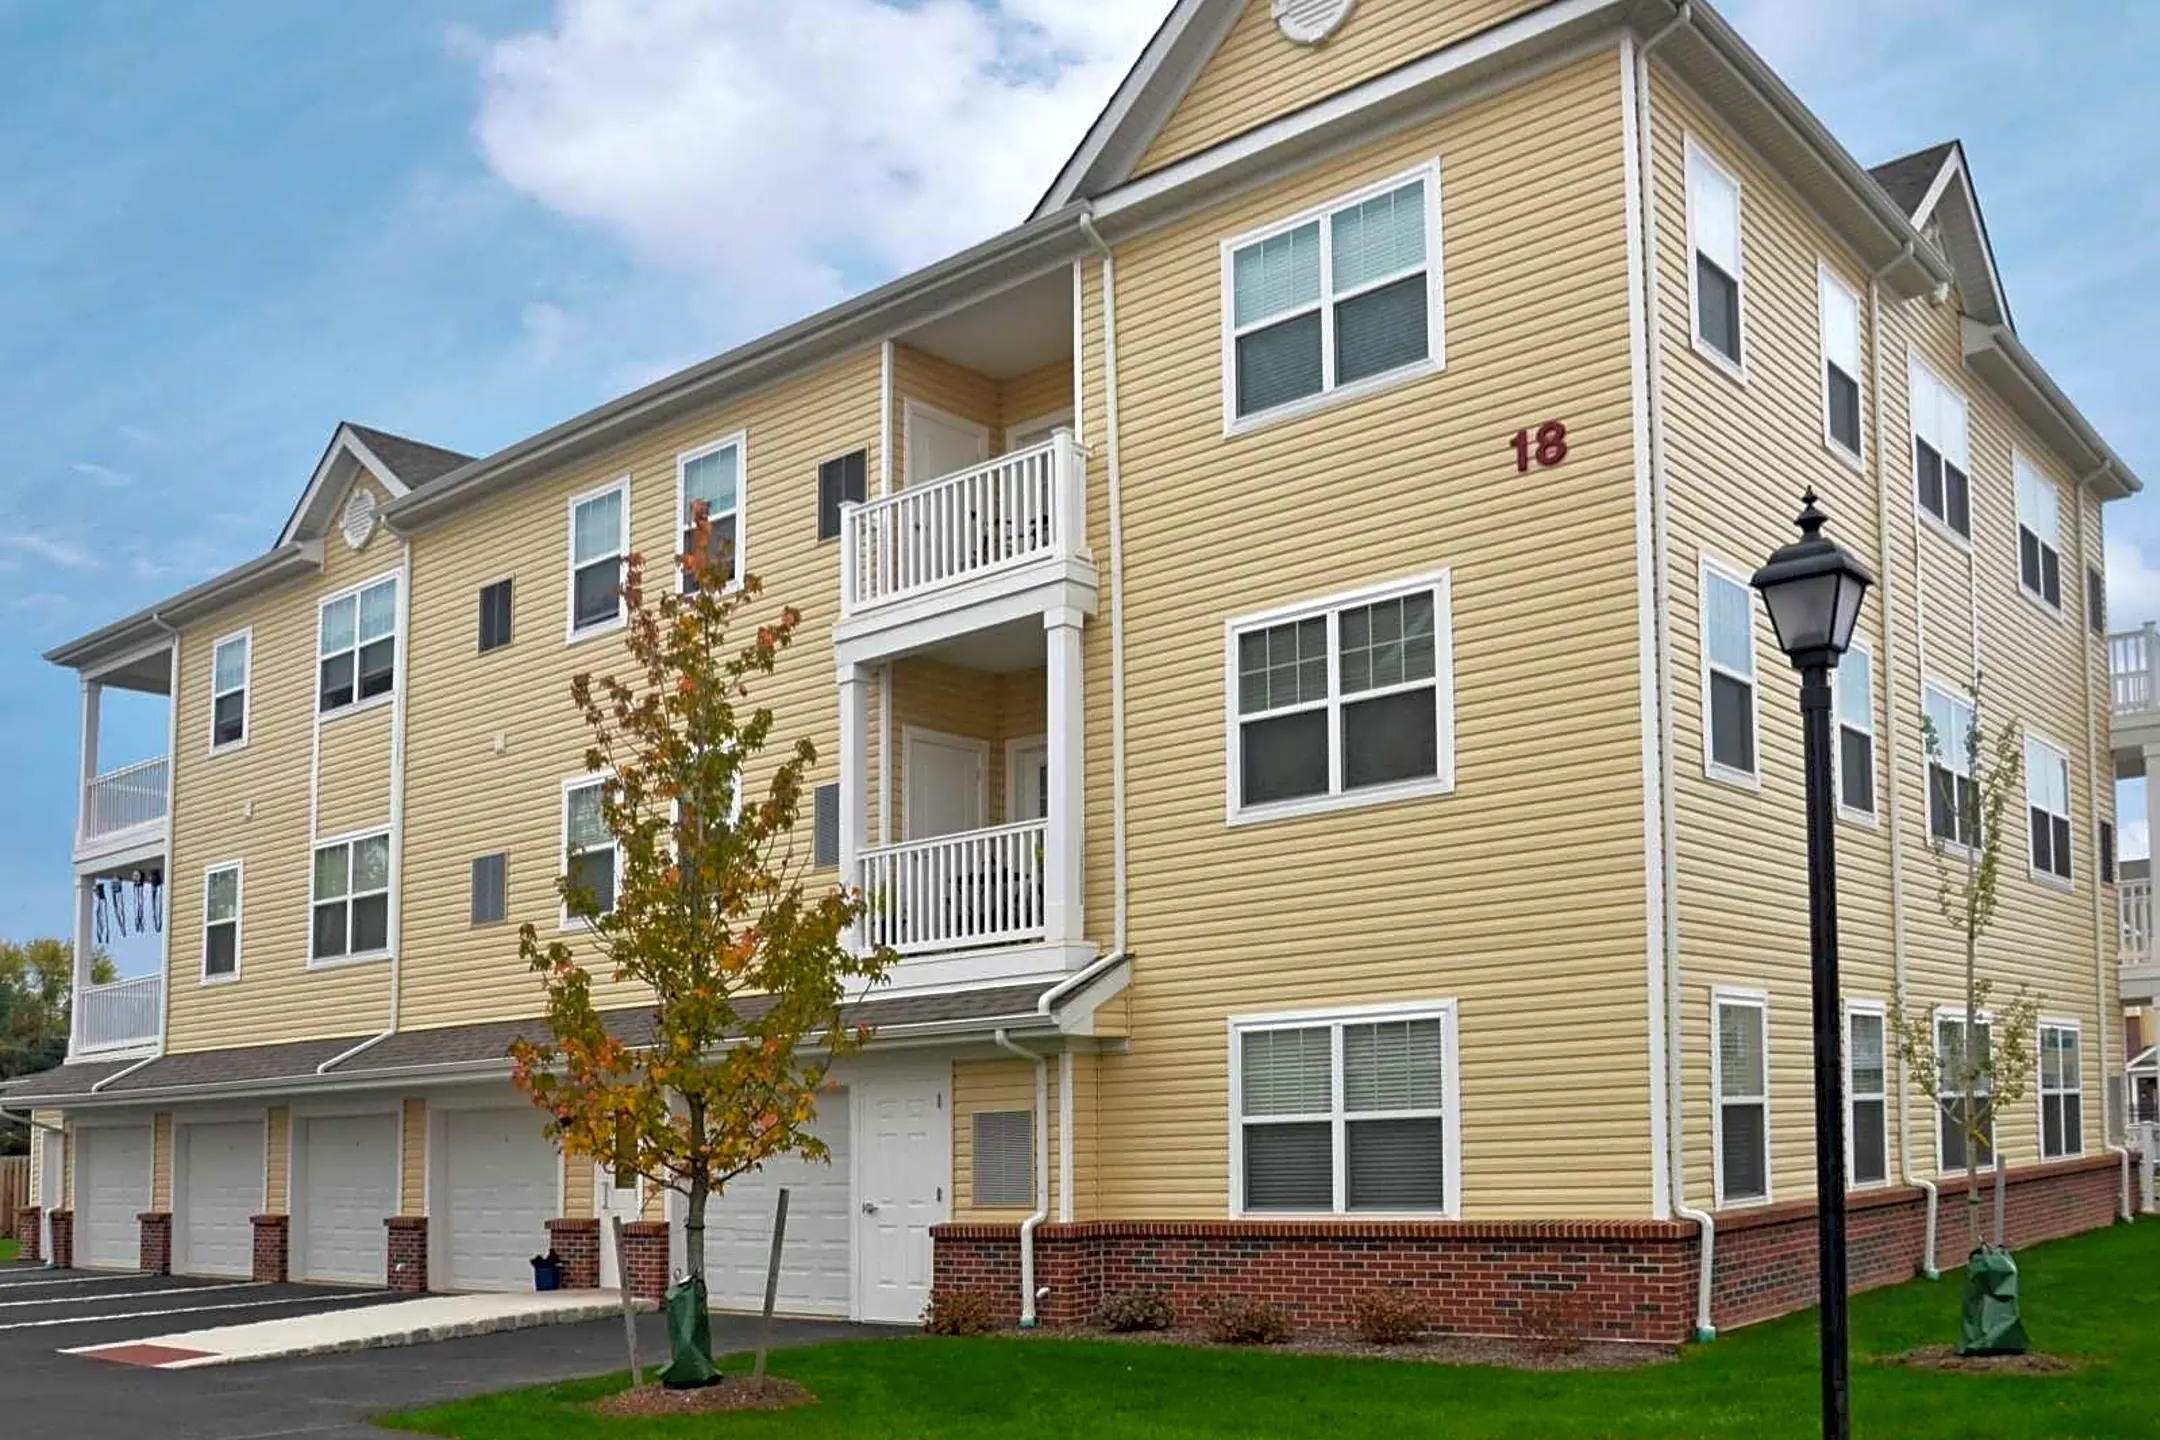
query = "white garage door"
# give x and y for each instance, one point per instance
(221, 1189)
(112, 1190)
(814, 1274)
(349, 1186)
(505, 1184)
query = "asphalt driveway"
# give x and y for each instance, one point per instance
(47, 1395)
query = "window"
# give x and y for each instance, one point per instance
(2062, 1092)
(1950, 1094)
(839, 482)
(1953, 799)
(712, 475)
(1714, 238)
(2095, 600)
(229, 691)
(599, 538)
(1340, 702)
(1740, 1080)
(1004, 1158)
(589, 853)
(1344, 1115)
(221, 923)
(490, 888)
(1333, 299)
(357, 646)
(2047, 803)
(2039, 534)
(1867, 1111)
(494, 616)
(1728, 621)
(352, 898)
(1841, 362)
(825, 826)
(2107, 852)
(1939, 451)
(1856, 731)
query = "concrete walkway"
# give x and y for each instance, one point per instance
(407, 1322)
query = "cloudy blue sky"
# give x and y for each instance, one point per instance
(225, 226)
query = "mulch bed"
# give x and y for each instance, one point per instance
(1943, 1357)
(770, 1393)
(1501, 1351)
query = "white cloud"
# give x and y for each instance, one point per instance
(2134, 844)
(2133, 585)
(103, 475)
(778, 149)
(64, 553)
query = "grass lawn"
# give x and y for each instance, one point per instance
(10, 1250)
(2092, 1299)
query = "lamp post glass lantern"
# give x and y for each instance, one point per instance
(1813, 590)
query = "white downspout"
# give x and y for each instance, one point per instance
(1668, 764)
(1042, 1175)
(1117, 573)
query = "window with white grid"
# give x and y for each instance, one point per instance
(1728, 674)
(2047, 807)
(2062, 1092)
(1740, 1083)
(1867, 1111)
(2039, 534)
(1953, 799)
(1953, 1135)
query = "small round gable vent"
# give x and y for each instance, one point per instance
(358, 522)
(1309, 22)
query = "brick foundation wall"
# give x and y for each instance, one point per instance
(273, 1249)
(63, 1239)
(645, 1258)
(29, 1231)
(1618, 1280)
(577, 1244)
(156, 1248)
(407, 1268)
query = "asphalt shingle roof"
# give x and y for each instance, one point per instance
(1908, 177)
(415, 461)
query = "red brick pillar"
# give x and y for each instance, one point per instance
(272, 1248)
(63, 1239)
(156, 1250)
(29, 1231)
(577, 1244)
(408, 1252)
(645, 1257)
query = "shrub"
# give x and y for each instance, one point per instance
(1237, 1320)
(1389, 1316)
(1134, 1310)
(959, 1312)
(1554, 1322)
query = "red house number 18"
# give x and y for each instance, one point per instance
(1547, 448)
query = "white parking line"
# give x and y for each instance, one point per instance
(132, 1294)
(104, 1279)
(190, 1310)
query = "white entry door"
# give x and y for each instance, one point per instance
(220, 1191)
(903, 1169)
(1027, 780)
(939, 444)
(814, 1253)
(944, 783)
(112, 1190)
(348, 1186)
(503, 1182)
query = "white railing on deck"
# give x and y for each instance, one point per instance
(122, 799)
(977, 887)
(1022, 506)
(2134, 668)
(2133, 903)
(122, 1014)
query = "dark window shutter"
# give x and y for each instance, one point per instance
(494, 616)
(2107, 853)
(490, 875)
(825, 826)
(1004, 1169)
(2095, 600)
(839, 481)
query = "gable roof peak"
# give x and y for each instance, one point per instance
(1909, 178)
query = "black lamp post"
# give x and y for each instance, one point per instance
(1813, 590)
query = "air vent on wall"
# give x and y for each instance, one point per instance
(1308, 22)
(359, 519)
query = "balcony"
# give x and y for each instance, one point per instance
(957, 892)
(123, 811)
(122, 1015)
(2140, 978)
(2134, 669)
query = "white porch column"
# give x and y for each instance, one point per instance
(85, 946)
(2152, 833)
(93, 704)
(1064, 838)
(854, 770)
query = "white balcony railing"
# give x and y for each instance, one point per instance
(953, 892)
(120, 1015)
(123, 799)
(2134, 668)
(1019, 507)
(2133, 904)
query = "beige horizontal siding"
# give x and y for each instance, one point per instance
(353, 773)
(161, 1162)
(277, 1160)
(980, 1085)
(1028, 397)
(413, 1140)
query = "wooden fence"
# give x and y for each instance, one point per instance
(14, 1190)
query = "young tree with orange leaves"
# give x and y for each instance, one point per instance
(706, 907)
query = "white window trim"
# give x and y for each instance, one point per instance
(1720, 997)
(564, 920)
(2021, 465)
(2033, 872)
(1860, 1005)
(1872, 819)
(247, 687)
(1957, 760)
(239, 920)
(1712, 769)
(352, 957)
(572, 632)
(1327, 607)
(740, 443)
(1987, 1018)
(1827, 279)
(1331, 394)
(2041, 1092)
(1699, 154)
(1914, 368)
(1445, 1011)
(316, 657)
(1015, 747)
(1058, 419)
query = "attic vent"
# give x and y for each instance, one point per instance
(359, 519)
(1308, 22)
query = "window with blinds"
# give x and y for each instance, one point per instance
(1953, 798)
(1713, 220)
(1966, 1135)
(589, 850)
(490, 888)
(712, 477)
(2039, 509)
(840, 482)
(1345, 1116)
(229, 691)
(1740, 1082)
(825, 826)
(1855, 686)
(1728, 620)
(1841, 362)
(1866, 1098)
(495, 616)
(1004, 1159)
(599, 539)
(1941, 440)
(2062, 1092)
(1334, 298)
(2047, 804)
